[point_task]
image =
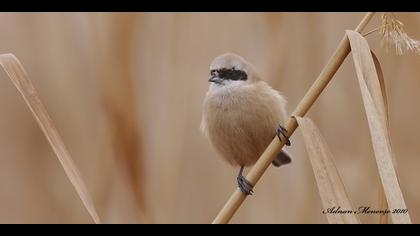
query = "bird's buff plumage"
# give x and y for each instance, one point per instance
(240, 116)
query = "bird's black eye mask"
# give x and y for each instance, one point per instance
(229, 74)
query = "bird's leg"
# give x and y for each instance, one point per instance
(281, 131)
(244, 185)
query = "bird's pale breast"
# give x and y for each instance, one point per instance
(241, 122)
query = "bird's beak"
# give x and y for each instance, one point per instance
(215, 79)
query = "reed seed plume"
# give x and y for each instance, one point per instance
(393, 34)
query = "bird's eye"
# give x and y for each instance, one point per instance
(212, 72)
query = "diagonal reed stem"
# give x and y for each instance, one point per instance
(343, 49)
(18, 76)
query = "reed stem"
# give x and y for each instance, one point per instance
(343, 49)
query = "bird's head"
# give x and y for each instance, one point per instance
(231, 69)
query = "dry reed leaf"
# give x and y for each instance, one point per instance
(384, 97)
(331, 188)
(382, 204)
(376, 114)
(23, 84)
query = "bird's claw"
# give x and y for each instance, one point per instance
(244, 185)
(281, 131)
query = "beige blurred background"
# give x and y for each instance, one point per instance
(125, 92)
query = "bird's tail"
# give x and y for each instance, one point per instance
(282, 158)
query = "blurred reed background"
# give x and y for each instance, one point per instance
(125, 92)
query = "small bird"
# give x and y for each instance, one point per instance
(242, 114)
